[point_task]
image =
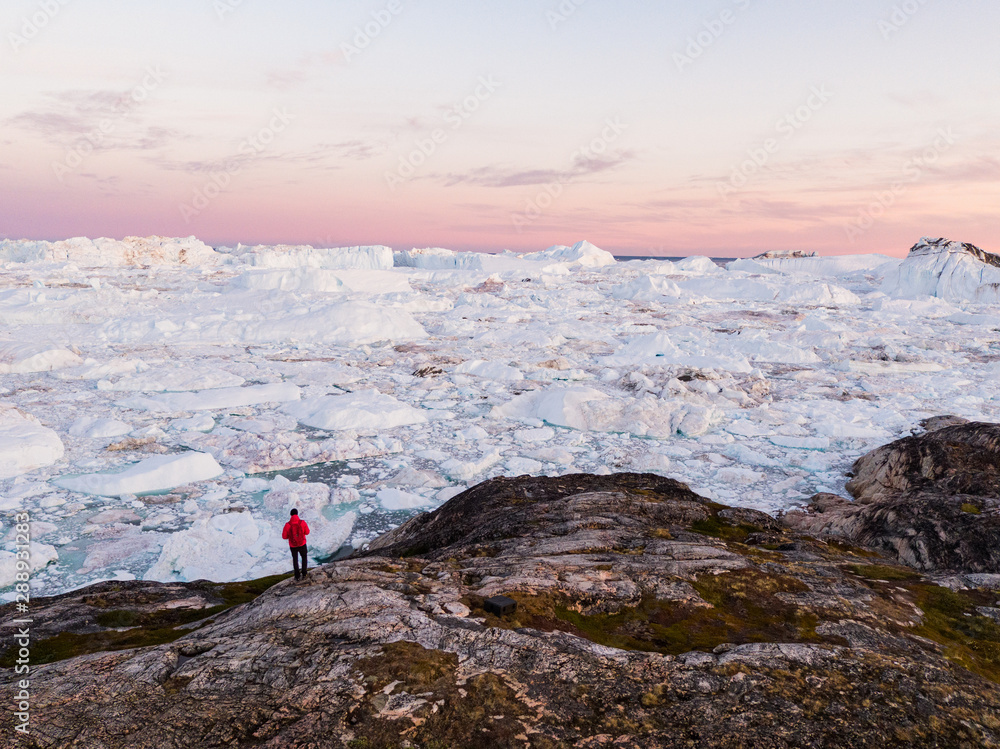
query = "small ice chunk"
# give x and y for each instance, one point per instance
(652, 462)
(801, 443)
(522, 466)
(738, 476)
(397, 499)
(747, 428)
(199, 423)
(464, 470)
(40, 556)
(93, 427)
(472, 434)
(253, 485)
(448, 492)
(543, 434)
(216, 399)
(26, 358)
(490, 370)
(435, 455)
(558, 455)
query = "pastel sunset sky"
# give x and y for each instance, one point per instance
(648, 127)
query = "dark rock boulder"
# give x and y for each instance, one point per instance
(957, 459)
(930, 501)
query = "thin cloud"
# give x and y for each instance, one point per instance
(68, 118)
(494, 176)
(323, 156)
(306, 68)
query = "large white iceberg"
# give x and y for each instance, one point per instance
(222, 548)
(104, 252)
(243, 322)
(583, 254)
(322, 280)
(954, 271)
(832, 265)
(375, 257)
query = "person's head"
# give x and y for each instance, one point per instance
(295, 513)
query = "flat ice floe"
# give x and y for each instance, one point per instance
(366, 410)
(215, 399)
(156, 474)
(167, 403)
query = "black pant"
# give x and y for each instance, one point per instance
(295, 560)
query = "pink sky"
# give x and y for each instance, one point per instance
(852, 130)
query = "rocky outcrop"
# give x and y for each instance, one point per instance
(930, 501)
(647, 616)
(951, 460)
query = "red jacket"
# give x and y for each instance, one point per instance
(295, 531)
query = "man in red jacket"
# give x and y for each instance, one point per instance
(296, 531)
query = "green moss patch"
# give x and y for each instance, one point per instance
(883, 572)
(950, 618)
(743, 607)
(968, 638)
(144, 629)
(158, 619)
(717, 526)
(847, 548)
(971, 508)
(481, 712)
(70, 645)
(235, 594)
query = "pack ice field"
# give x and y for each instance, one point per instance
(166, 403)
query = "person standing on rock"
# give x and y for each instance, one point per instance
(295, 532)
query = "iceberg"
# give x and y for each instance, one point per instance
(954, 271)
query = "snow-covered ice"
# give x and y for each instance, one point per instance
(166, 403)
